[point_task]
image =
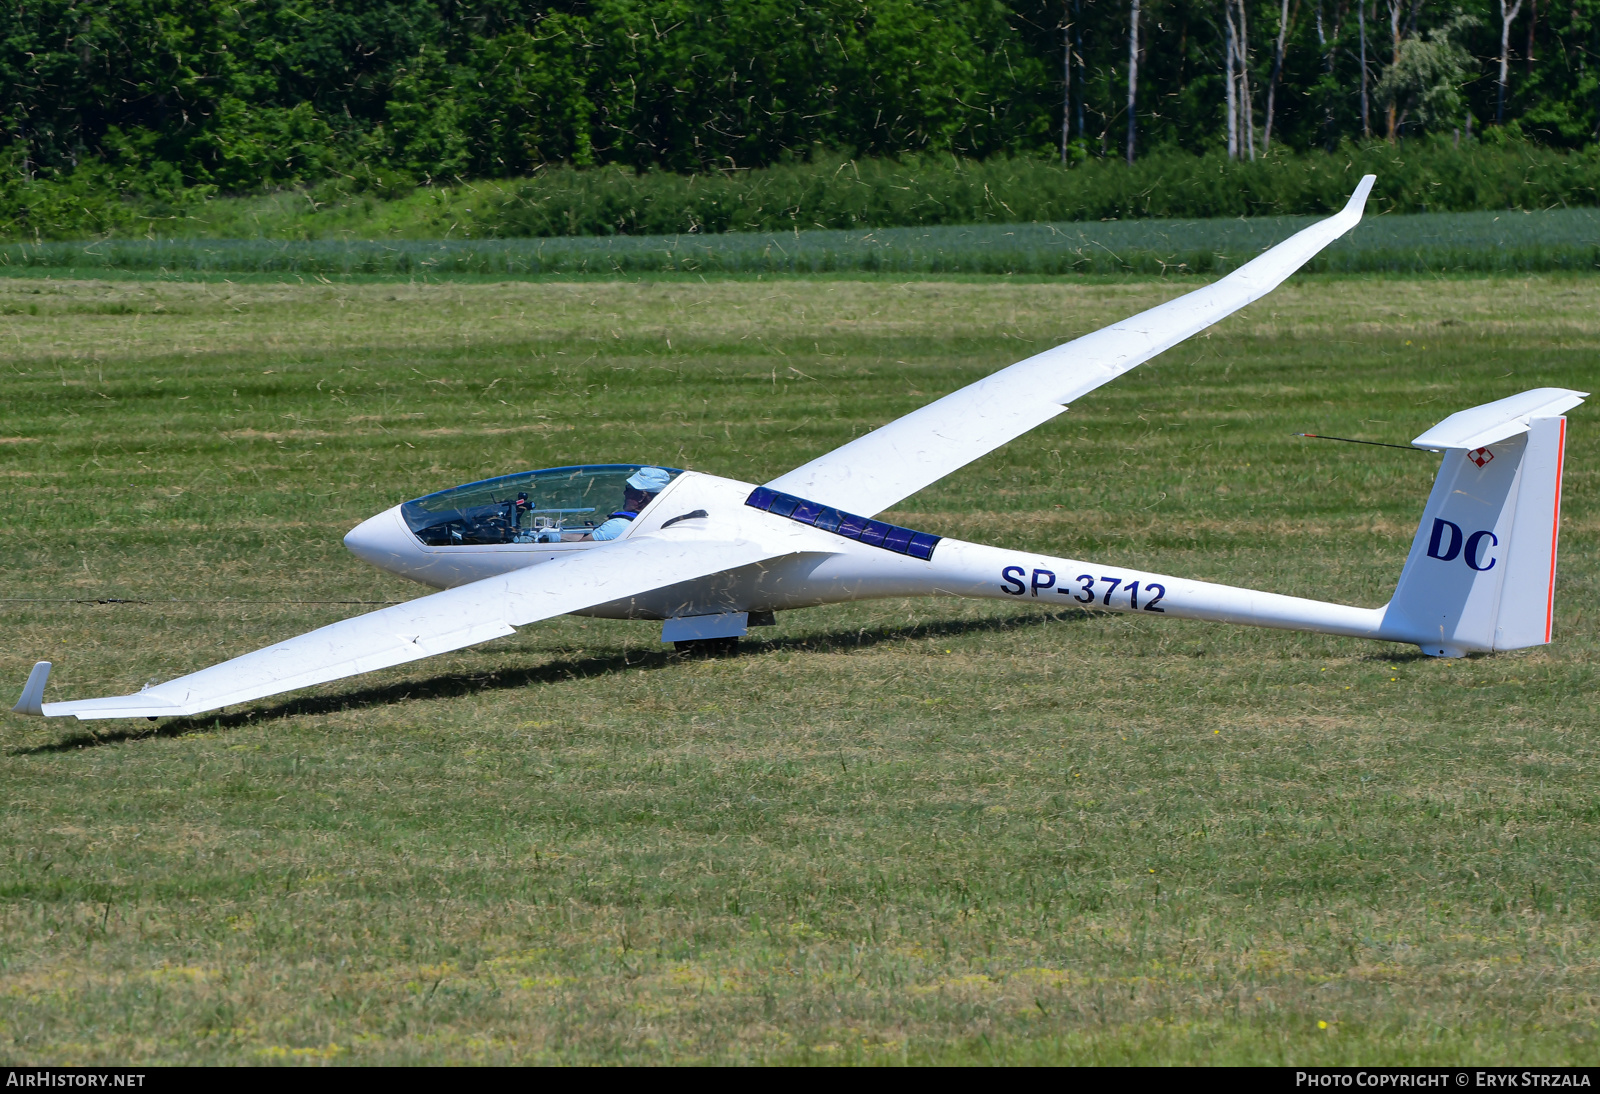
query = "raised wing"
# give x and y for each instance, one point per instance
(423, 627)
(873, 472)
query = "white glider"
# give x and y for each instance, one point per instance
(711, 556)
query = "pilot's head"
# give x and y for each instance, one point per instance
(642, 487)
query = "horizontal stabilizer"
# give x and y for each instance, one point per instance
(1503, 418)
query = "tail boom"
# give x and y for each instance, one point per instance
(975, 570)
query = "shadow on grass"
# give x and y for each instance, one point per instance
(1402, 657)
(452, 685)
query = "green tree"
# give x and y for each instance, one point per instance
(1423, 85)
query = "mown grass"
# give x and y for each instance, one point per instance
(896, 831)
(1548, 240)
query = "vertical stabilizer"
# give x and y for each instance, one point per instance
(1481, 572)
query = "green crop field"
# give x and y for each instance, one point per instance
(1509, 241)
(901, 831)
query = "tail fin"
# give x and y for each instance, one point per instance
(1482, 568)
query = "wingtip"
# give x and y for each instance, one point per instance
(1358, 200)
(32, 701)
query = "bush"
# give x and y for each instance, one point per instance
(95, 200)
(834, 193)
(842, 193)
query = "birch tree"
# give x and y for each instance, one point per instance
(1246, 99)
(1066, 85)
(1507, 15)
(1229, 83)
(1328, 46)
(1277, 73)
(1077, 36)
(1133, 73)
(1237, 81)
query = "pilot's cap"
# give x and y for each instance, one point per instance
(651, 480)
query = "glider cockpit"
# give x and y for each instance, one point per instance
(553, 505)
(466, 533)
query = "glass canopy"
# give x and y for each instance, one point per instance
(549, 506)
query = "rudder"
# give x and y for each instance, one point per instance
(1528, 590)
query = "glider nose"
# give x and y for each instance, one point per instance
(384, 541)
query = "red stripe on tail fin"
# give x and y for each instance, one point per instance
(1555, 534)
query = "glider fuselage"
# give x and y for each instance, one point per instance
(819, 566)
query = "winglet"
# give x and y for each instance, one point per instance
(32, 701)
(1358, 200)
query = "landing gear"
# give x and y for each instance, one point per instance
(707, 648)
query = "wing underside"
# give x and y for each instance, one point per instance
(429, 625)
(874, 472)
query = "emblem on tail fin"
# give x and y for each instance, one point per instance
(1480, 456)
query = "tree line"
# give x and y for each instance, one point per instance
(243, 94)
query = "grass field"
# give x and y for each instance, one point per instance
(1501, 242)
(894, 831)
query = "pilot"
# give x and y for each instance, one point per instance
(639, 491)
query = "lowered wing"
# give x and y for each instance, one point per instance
(420, 628)
(873, 472)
